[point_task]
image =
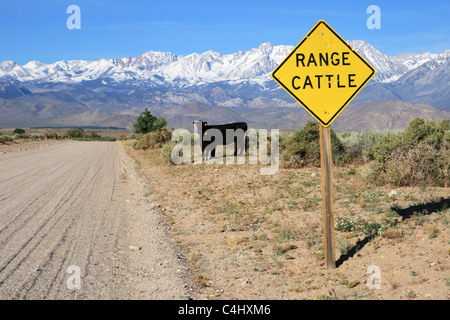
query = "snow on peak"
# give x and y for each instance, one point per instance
(157, 67)
(266, 46)
(7, 65)
(388, 69)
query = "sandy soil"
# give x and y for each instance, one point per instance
(74, 211)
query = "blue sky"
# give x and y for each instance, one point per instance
(36, 30)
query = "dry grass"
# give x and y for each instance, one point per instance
(260, 237)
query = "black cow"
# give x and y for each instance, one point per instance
(238, 137)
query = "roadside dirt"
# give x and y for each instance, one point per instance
(74, 211)
(26, 145)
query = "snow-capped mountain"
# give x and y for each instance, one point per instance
(255, 64)
(388, 69)
(156, 69)
(415, 60)
(111, 91)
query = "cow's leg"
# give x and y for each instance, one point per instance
(246, 143)
(203, 150)
(206, 152)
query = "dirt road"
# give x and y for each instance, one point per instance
(77, 222)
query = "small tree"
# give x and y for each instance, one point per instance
(18, 131)
(146, 122)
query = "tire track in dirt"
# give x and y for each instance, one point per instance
(69, 205)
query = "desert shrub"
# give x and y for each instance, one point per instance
(123, 136)
(50, 135)
(97, 137)
(348, 224)
(166, 151)
(356, 225)
(155, 139)
(18, 131)
(419, 154)
(373, 228)
(17, 136)
(37, 136)
(303, 147)
(357, 142)
(421, 164)
(75, 133)
(80, 135)
(5, 139)
(130, 136)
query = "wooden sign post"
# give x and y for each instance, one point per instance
(327, 196)
(323, 73)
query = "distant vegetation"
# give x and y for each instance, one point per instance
(84, 127)
(75, 134)
(79, 134)
(5, 139)
(19, 131)
(19, 134)
(418, 155)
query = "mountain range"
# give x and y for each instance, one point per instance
(213, 87)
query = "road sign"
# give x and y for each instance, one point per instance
(323, 73)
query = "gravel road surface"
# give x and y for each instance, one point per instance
(77, 222)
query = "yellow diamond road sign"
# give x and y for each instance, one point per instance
(323, 73)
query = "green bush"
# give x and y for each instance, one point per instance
(4, 139)
(99, 138)
(155, 139)
(373, 228)
(348, 224)
(80, 135)
(18, 131)
(37, 136)
(75, 133)
(419, 154)
(357, 142)
(166, 151)
(303, 147)
(17, 136)
(369, 228)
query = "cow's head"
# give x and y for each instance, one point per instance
(198, 125)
